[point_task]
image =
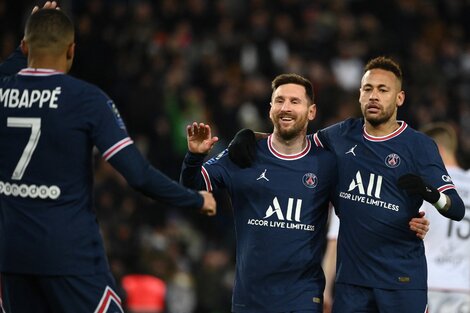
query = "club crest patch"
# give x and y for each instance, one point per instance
(392, 160)
(310, 180)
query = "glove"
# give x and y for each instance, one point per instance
(242, 148)
(414, 184)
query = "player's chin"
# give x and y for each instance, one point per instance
(374, 119)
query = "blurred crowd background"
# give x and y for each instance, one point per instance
(168, 63)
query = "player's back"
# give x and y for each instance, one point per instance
(49, 123)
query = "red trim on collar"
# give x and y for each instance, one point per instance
(288, 157)
(394, 134)
(38, 72)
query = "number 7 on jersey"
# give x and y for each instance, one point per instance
(35, 125)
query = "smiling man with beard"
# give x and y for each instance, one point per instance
(280, 204)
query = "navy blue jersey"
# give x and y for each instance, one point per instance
(376, 248)
(280, 209)
(49, 124)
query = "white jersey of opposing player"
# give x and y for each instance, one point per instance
(333, 226)
(448, 242)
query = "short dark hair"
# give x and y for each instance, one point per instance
(292, 78)
(385, 63)
(443, 134)
(49, 29)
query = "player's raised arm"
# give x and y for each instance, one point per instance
(200, 142)
(199, 137)
(17, 60)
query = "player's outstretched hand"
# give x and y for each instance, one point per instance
(242, 149)
(200, 138)
(415, 185)
(420, 225)
(47, 5)
(210, 206)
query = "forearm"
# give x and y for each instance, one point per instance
(191, 176)
(151, 182)
(454, 207)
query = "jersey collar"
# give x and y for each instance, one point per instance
(394, 134)
(288, 157)
(38, 72)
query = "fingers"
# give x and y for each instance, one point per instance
(47, 5)
(420, 225)
(196, 129)
(209, 207)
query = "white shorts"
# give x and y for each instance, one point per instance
(448, 302)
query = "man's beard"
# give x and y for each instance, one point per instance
(380, 119)
(291, 132)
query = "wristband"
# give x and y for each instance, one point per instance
(442, 202)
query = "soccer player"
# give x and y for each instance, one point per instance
(448, 243)
(280, 204)
(52, 257)
(386, 171)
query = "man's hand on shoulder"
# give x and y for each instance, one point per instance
(242, 149)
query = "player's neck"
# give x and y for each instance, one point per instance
(48, 62)
(288, 147)
(383, 129)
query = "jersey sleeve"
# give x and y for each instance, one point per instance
(325, 137)
(145, 178)
(13, 64)
(107, 129)
(109, 135)
(208, 176)
(431, 168)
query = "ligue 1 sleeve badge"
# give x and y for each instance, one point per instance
(392, 160)
(310, 180)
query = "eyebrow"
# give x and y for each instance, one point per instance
(287, 97)
(378, 86)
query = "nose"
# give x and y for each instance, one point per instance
(374, 94)
(286, 106)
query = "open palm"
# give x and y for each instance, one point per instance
(200, 138)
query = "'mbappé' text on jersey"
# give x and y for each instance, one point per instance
(376, 248)
(46, 120)
(280, 209)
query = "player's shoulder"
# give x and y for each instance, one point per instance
(218, 158)
(417, 138)
(83, 87)
(344, 126)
